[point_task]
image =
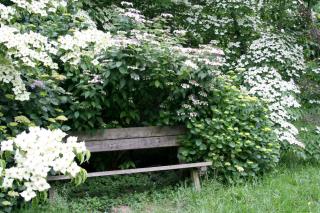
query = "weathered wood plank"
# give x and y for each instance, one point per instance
(139, 170)
(132, 143)
(136, 132)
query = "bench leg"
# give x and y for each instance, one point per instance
(52, 194)
(196, 179)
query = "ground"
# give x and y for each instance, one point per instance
(294, 187)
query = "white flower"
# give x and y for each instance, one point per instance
(39, 184)
(166, 15)
(185, 86)
(189, 63)
(239, 168)
(28, 194)
(7, 145)
(73, 170)
(125, 3)
(90, 43)
(7, 182)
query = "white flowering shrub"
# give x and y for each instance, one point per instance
(32, 156)
(273, 63)
(37, 39)
(267, 84)
(279, 51)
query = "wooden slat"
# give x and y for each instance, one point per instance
(132, 143)
(136, 132)
(139, 170)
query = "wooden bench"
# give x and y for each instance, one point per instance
(135, 139)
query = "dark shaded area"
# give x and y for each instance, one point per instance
(131, 159)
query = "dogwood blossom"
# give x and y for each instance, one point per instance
(279, 50)
(41, 7)
(273, 62)
(37, 153)
(90, 43)
(30, 48)
(266, 83)
(6, 13)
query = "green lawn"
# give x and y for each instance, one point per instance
(287, 190)
(294, 188)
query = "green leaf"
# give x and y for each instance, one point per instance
(157, 83)
(118, 64)
(122, 83)
(76, 114)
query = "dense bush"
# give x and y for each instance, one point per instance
(43, 107)
(110, 93)
(232, 130)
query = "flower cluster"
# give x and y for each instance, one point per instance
(266, 83)
(30, 48)
(208, 55)
(281, 51)
(85, 19)
(37, 153)
(6, 13)
(273, 62)
(41, 7)
(89, 43)
(8, 74)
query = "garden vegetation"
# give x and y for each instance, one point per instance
(237, 74)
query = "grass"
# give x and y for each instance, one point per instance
(288, 190)
(291, 188)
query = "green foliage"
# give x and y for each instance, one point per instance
(128, 75)
(309, 133)
(310, 84)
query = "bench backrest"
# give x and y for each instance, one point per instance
(131, 138)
